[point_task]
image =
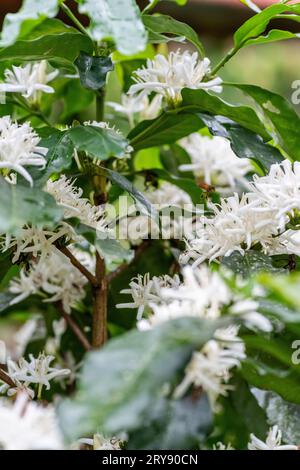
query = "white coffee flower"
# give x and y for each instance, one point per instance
(214, 162)
(35, 241)
(28, 426)
(203, 294)
(273, 441)
(210, 367)
(145, 290)
(237, 225)
(132, 105)
(53, 275)
(279, 190)
(19, 148)
(70, 198)
(168, 76)
(35, 371)
(29, 80)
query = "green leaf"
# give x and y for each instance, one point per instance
(60, 154)
(250, 263)
(283, 382)
(127, 185)
(109, 248)
(32, 13)
(278, 310)
(273, 36)
(283, 414)
(159, 24)
(142, 367)
(166, 129)
(244, 143)
(119, 21)
(195, 101)
(284, 288)
(275, 109)
(20, 205)
(93, 70)
(257, 24)
(50, 40)
(182, 424)
(97, 142)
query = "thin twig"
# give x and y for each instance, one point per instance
(6, 378)
(100, 305)
(138, 252)
(74, 327)
(72, 17)
(91, 278)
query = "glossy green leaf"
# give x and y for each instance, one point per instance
(141, 364)
(244, 143)
(182, 424)
(97, 142)
(166, 129)
(195, 101)
(128, 186)
(273, 36)
(20, 205)
(93, 70)
(250, 263)
(51, 40)
(118, 20)
(32, 13)
(60, 153)
(251, 5)
(278, 111)
(159, 24)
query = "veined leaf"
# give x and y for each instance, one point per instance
(279, 116)
(160, 24)
(97, 142)
(20, 205)
(51, 40)
(117, 20)
(32, 13)
(93, 70)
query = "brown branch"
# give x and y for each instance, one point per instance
(91, 278)
(6, 378)
(74, 327)
(138, 252)
(100, 305)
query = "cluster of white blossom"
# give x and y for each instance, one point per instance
(213, 161)
(28, 80)
(133, 106)
(265, 216)
(27, 373)
(167, 76)
(19, 148)
(100, 442)
(26, 425)
(175, 209)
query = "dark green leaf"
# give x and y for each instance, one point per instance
(93, 70)
(199, 101)
(166, 24)
(166, 129)
(20, 205)
(285, 122)
(141, 366)
(182, 424)
(251, 262)
(244, 143)
(51, 40)
(97, 142)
